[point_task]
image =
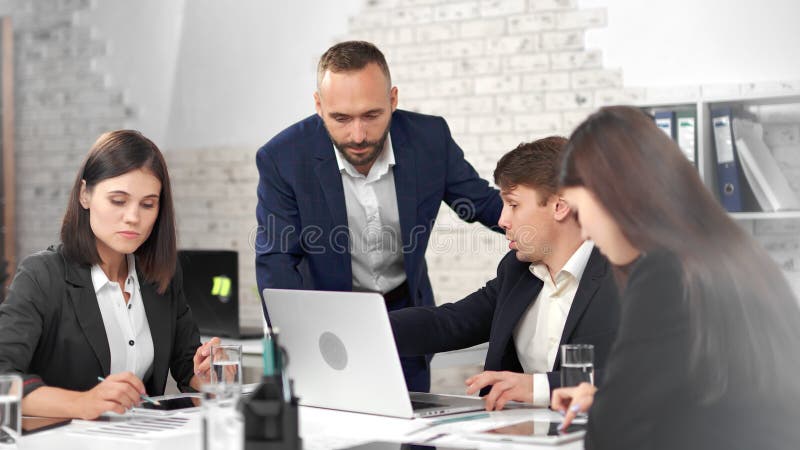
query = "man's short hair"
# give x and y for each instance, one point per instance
(533, 164)
(350, 56)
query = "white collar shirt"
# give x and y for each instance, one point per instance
(127, 329)
(373, 223)
(538, 334)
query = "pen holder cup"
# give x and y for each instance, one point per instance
(270, 422)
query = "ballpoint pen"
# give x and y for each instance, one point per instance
(458, 419)
(142, 396)
(434, 423)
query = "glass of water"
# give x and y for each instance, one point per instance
(226, 364)
(223, 424)
(577, 364)
(10, 410)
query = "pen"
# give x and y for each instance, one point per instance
(429, 425)
(142, 396)
(458, 419)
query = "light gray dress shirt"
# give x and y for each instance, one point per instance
(374, 223)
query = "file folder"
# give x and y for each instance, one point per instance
(666, 121)
(762, 171)
(728, 178)
(686, 122)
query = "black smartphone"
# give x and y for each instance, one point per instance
(172, 404)
(32, 425)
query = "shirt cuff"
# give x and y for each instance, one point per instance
(541, 390)
(30, 383)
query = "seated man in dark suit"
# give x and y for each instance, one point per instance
(552, 288)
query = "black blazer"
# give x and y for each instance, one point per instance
(649, 400)
(52, 333)
(492, 313)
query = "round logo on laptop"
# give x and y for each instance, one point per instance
(333, 350)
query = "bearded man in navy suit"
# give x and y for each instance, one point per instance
(347, 198)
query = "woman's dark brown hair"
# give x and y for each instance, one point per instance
(117, 153)
(744, 316)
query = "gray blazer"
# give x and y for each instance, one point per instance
(52, 333)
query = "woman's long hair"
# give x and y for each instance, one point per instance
(744, 318)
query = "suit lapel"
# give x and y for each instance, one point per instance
(84, 302)
(405, 182)
(156, 307)
(330, 182)
(521, 296)
(590, 282)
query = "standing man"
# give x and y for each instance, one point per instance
(347, 198)
(552, 288)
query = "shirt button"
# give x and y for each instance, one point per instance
(129, 306)
(131, 342)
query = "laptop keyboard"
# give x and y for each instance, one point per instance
(417, 405)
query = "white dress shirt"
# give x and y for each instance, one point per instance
(374, 223)
(127, 329)
(538, 334)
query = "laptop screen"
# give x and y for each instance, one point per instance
(211, 286)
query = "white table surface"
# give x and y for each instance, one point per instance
(320, 429)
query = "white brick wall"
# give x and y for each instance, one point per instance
(501, 72)
(519, 72)
(63, 104)
(512, 81)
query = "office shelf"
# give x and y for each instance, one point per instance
(783, 106)
(766, 215)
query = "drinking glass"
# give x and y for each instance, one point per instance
(223, 424)
(10, 410)
(226, 364)
(577, 364)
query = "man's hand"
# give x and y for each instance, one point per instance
(507, 386)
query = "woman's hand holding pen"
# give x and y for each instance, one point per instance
(570, 401)
(118, 392)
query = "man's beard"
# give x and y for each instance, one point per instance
(367, 158)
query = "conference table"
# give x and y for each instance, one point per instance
(320, 429)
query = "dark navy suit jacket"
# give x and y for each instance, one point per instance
(302, 240)
(491, 314)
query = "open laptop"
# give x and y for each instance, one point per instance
(342, 355)
(211, 287)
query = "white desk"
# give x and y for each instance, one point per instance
(321, 429)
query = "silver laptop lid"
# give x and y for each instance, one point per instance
(342, 353)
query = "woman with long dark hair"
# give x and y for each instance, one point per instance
(708, 350)
(108, 302)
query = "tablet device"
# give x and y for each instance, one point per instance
(32, 425)
(381, 445)
(533, 432)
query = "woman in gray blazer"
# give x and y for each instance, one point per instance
(108, 301)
